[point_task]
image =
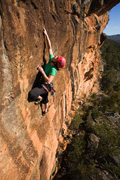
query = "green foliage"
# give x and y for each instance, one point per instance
(111, 102)
(109, 139)
(111, 56)
(77, 148)
(117, 87)
(77, 120)
(78, 163)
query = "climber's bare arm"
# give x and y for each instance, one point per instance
(48, 41)
(48, 79)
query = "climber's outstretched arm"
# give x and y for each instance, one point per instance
(48, 41)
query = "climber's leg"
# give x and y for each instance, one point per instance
(45, 102)
(46, 107)
(37, 93)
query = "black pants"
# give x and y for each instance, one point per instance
(39, 91)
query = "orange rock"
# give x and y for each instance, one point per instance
(29, 142)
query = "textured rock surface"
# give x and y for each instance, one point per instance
(28, 141)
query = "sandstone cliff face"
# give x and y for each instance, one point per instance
(28, 141)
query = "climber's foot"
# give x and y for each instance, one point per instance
(38, 101)
(44, 112)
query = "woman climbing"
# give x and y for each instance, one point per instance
(40, 93)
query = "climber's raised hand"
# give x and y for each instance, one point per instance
(45, 31)
(48, 41)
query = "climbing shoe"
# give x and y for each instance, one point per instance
(37, 102)
(43, 113)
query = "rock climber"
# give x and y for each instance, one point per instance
(39, 94)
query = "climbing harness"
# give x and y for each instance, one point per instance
(45, 87)
(52, 89)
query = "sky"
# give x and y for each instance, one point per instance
(113, 26)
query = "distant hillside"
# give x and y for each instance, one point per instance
(115, 37)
